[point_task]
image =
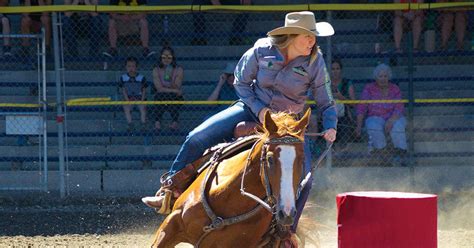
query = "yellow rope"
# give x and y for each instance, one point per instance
(106, 101)
(246, 8)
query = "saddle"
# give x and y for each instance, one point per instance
(174, 185)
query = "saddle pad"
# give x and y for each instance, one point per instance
(236, 146)
(228, 150)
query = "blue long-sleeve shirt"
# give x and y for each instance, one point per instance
(262, 80)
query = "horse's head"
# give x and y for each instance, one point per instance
(282, 162)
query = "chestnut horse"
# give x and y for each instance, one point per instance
(239, 201)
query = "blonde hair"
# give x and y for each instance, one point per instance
(284, 40)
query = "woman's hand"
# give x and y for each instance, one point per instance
(222, 78)
(330, 135)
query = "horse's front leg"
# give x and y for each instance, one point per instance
(170, 232)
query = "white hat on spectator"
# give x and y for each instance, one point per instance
(230, 67)
(303, 23)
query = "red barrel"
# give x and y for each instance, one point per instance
(386, 219)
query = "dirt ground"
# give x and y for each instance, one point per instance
(446, 238)
(127, 223)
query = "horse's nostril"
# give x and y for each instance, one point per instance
(285, 219)
(281, 214)
(293, 213)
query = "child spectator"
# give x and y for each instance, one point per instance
(167, 79)
(413, 16)
(126, 24)
(342, 89)
(382, 117)
(133, 86)
(5, 30)
(458, 19)
(32, 22)
(77, 23)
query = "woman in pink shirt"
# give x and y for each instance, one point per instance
(381, 118)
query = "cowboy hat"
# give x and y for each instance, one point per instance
(303, 23)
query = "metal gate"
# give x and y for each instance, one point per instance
(23, 114)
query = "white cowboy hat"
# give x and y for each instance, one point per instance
(303, 23)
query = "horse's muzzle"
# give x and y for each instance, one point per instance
(286, 219)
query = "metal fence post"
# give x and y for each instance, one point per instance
(328, 64)
(411, 100)
(59, 105)
(44, 102)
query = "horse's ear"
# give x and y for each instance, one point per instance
(269, 124)
(303, 123)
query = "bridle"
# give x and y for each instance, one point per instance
(270, 201)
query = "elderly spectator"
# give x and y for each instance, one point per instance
(342, 89)
(77, 23)
(413, 16)
(381, 118)
(133, 86)
(126, 24)
(458, 19)
(238, 25)
(167, 79)
(5, 30)
(32, 22)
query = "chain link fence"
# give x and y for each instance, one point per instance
(95, 48)
(23, 114)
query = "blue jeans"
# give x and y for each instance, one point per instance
(217, 129)
(376, 129)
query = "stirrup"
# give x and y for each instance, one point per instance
(173, 185)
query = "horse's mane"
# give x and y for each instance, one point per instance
(286, 124)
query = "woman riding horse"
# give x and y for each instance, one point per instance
(244, 197)
(274, 75)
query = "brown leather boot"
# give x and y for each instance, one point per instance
(171, 188)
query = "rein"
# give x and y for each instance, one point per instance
(218, 222)
(269, 198)
(268, 203)
(318, 162)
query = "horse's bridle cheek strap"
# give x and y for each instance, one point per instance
(264, 166)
